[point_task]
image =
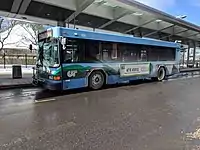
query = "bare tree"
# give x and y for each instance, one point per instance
(6, 27)
(32, 30)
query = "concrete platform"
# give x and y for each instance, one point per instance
(7, 82)
(147, 116)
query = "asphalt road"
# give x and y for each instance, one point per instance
(149, 116)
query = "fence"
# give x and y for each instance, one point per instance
(22, 59)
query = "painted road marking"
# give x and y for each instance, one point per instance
(44, 100)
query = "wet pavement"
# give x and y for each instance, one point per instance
(152, 116)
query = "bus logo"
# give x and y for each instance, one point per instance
(72, 73)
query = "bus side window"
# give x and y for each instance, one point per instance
(130, 52)
(114, 52)
(91, 50)
(156, 53)
(106, 51)
(143, 55)
(109, 51)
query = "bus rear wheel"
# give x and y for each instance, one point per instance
(96, 80)
(161, 74)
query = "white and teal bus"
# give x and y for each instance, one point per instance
(73, 58)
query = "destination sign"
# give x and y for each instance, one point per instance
(45, 35)
(134, 69)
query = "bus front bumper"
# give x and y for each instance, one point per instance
(48, 84)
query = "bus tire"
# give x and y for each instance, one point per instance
(96, 80)
(161, 74)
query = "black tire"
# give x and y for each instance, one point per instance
(161, 74)
(96, 80)
(154, 79)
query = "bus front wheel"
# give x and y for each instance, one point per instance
(96, 80)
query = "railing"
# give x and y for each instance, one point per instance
(23, 59)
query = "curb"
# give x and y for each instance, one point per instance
(189, 70)
(7, 87)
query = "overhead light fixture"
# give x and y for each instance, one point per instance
(138, 14)
(158, 20)
(48, 14)
(98, 1)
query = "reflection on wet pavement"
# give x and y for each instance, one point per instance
(153, 116)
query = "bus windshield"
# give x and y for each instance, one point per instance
(48, 54)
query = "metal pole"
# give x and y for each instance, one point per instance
(140, 32)
(26, 60)
(183, 57)
(4, 60)
(194, 53)
(188, 54)
(74, 20)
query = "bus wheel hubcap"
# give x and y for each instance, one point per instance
(96, 79)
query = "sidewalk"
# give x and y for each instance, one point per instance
(7, 82)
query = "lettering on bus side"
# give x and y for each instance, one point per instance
(132, 70)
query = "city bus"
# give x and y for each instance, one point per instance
(74, 58)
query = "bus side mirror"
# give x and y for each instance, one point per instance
(64, 42)
(178, 41)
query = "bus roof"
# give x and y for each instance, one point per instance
(93, 35)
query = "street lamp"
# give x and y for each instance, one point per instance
(181, 17)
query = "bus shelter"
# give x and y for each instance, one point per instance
(121, 16)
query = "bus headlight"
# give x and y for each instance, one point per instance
(51, 77)
(54, 78)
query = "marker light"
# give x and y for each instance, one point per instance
(56, 77)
